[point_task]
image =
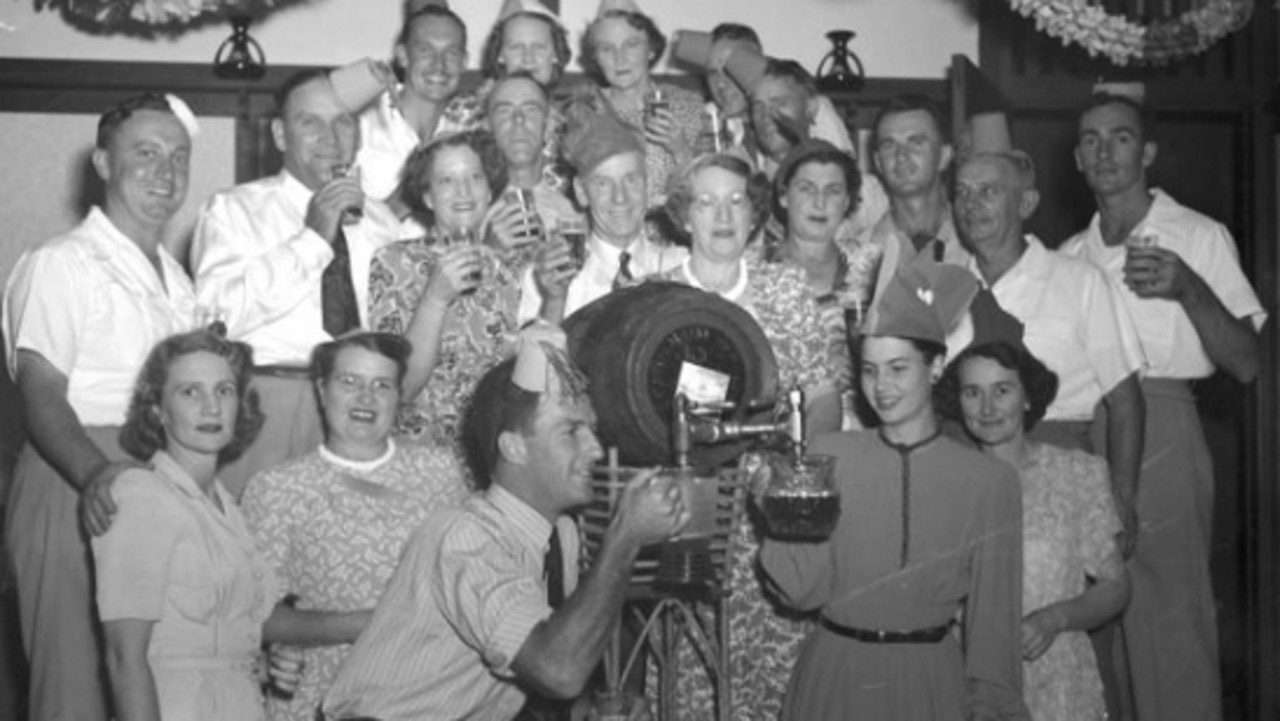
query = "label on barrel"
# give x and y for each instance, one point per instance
(702, 385)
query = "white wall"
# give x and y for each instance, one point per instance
(896, 38)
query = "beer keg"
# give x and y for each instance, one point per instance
(633, 345)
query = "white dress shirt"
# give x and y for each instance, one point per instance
(595, 280)
(1074, 323)
(387, 138)
(91, 304)
(1172, 346)
(258, 263)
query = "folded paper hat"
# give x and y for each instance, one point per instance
(543, 366)
(594, 135)
(413, 7)
(1137, 92)
(692, 48)
(626, 6)
(993, 324)
(746, 66)
(991, 133)
(923, 302)
(182, 111)
(532, 7)
(360, 83)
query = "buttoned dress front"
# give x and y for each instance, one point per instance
(173, 557)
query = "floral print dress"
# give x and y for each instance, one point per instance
(479, 329)
(1069, 529)
(764, 639)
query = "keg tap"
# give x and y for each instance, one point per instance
(700, 423)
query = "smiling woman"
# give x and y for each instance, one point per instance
(333, 522)
(453, 296)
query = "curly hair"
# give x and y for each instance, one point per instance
(822, 153)
(680, 190)
(143, 434)
(393, 347)
(491, 66)
(1040, 383)
(415, 177)
(639, 21)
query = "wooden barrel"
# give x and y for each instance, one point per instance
(633, 343)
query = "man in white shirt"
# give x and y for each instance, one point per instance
(1195, 312)
(1075, 322)
(612, 184)
(285, 261)
(432, 53)
(483, 608)
(81, 313)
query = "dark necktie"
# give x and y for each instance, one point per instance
(923, 240)
(337, 294)
(553, 571)
(624, 271)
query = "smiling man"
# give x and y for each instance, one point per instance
(483, 608)
(612, 184)
(1195, 313)
(81, 313)
(431, 51)
(284, 261)
(1075, 322)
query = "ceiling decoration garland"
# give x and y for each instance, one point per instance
(154, 15)
(1123, 40)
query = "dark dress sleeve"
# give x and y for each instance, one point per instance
(993, 610)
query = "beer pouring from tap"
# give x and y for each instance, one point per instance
(799, 501)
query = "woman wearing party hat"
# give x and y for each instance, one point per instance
(930, 532)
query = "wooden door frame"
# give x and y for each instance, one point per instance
(1255, 103)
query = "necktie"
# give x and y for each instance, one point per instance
(624, 271)
(553, 571)
(337, 294)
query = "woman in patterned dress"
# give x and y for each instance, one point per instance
(814, 192)
(619, 49)
(333, 522)
(1069, 528)
(182, 591)
(454, 297)
(719, 203)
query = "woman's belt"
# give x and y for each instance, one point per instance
(924, 635)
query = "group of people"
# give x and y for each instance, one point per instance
(332, 473)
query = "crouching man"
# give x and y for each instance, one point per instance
(483, 607)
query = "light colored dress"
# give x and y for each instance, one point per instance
(479, 329)
(334, 529)
(173, 557)
(1069, 528)
(764, 639)
(927, 533)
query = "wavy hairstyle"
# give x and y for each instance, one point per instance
(1040, 383)
(143, 434)
(491, 66)
(639, 21)
(415, 177)
(680, 190)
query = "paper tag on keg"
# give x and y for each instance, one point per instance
(702, 385)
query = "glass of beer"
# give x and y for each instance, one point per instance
(574, 232)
